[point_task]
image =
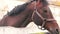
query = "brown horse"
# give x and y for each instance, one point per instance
(36, 11)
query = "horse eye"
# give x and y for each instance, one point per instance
(45, 11)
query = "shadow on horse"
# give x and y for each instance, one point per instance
(36, 11)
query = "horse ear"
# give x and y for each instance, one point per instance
(34, 0)
(30, 0)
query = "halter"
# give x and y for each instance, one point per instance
(44, 19)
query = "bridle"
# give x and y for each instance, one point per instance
(44, 19)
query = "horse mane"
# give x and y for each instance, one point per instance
(18, 9)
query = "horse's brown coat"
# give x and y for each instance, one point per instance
(21, 16)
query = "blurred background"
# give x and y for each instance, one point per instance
(8, 5)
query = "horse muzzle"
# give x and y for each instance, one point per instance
(54, 31)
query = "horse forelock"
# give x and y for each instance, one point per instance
(45, 3)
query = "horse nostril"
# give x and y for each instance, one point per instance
(57, 30)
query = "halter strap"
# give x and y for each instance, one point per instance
(44, 19)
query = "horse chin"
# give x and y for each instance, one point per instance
(54, 31)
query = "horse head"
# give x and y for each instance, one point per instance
(43, 17)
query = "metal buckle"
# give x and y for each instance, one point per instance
(41, 28)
